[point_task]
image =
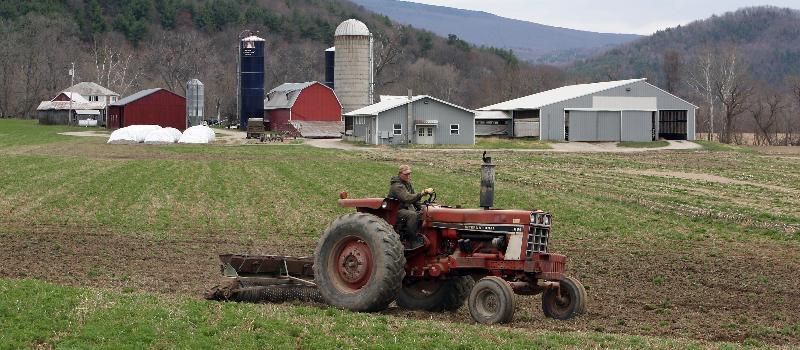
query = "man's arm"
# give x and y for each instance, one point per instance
(403, 195)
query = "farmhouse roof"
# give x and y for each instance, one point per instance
(389, 102)
(74, 96)
(64, 105)
(561, 94)
(88, 88)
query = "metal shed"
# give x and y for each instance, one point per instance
(624, 110)
(399, 120)
(149, 107)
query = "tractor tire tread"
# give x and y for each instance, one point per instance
(384, 290)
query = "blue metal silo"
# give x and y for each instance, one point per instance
(251, 79)
(330, 59)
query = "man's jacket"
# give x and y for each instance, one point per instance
(403, 191)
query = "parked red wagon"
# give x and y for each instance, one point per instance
(149, 107)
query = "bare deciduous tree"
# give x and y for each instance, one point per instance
(702, 80)
(177, 57)
(388, 51)
(734, 90)
(115, 65)
(766, 112)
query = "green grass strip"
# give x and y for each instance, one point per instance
(39, 314)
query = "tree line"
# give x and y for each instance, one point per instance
(131, 45)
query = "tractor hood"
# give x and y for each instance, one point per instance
(478, 216)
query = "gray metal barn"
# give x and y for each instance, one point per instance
(625, 110)
(425, 119)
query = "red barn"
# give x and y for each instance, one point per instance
(311, 108)
(149, 107)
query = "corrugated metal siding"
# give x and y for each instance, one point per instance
(608, 126)
(582, 126)
(637, 126)
(433, 110)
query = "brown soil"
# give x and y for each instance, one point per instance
(720, 291)
(708, 178)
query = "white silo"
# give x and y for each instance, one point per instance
(354, 67)
(195, 100)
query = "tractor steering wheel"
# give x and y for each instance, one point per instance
(431, 198)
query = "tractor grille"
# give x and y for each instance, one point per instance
(537, 240)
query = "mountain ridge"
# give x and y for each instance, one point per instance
(531, 41)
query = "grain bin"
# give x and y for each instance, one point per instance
(194, 102)
(353, 74)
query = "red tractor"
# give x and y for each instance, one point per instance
(361, 264)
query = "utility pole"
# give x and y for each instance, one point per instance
(71, 84)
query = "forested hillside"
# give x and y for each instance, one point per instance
(767, 40)
(130, 45)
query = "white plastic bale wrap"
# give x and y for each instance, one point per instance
(163, 136)
(198, 134)
(132, 133)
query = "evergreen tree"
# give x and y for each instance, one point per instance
(90, 20)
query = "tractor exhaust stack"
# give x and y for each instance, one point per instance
(487, 182)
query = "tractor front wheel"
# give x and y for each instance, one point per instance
(492, 301)
(566, 301)
(435, 295)
(359, 263)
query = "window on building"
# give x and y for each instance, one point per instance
(93, 98)
(398, 129)
(113, 98)
(453, 129)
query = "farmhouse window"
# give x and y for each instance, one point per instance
(398, 129)
(454, 129)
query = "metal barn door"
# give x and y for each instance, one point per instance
(608, 126)
(582, 126)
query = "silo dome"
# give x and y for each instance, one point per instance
(352, 27)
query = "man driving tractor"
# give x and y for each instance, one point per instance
(400, 188)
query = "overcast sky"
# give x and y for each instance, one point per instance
(609, 16)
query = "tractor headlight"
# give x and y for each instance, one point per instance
(384, 204)
(540, 218)
(536, 218)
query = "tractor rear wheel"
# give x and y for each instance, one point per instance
(566, 301)
(435, 295)
(359, 263)
(492, 301)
